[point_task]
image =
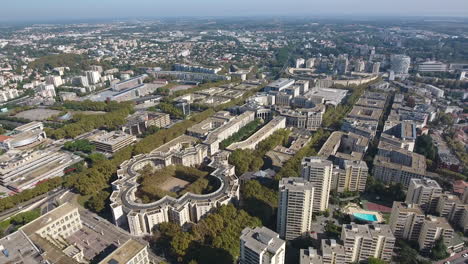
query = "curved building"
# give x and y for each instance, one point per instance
(141, 218)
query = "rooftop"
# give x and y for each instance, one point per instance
(124, 253)
(47, 218)
(20, 250)
(262, 239)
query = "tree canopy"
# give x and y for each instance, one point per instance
(215, 239)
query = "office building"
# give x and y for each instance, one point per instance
(279, 85)
(432, 66)
(425, 193)
(261, 246)
(400, 63)
(111, 141)
(295, 205)
(318, 171)
(434, 228)
(139, 122)
(406, 221)
(364, 241)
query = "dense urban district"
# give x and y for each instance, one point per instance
(283, 140)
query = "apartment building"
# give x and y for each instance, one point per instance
(434, 228)
(364, 241)
(295, 205)
(319, 172)
(406, 221)
(353, 177)
(261, 246)
(425, 193)
(331, 253)
(451, 207)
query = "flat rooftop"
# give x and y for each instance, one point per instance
(176, 143)
(365, 113)
(409, 208)
(20, 250)
(47, 218)
(113, 137)
(261, 239)
(124, 253)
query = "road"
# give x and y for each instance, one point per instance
(17, 209)
(456, 259)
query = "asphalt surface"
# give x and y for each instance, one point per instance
(456, 259)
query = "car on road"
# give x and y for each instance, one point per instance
(465, 255)
(447, 262)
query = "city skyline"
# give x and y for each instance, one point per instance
(50, 10)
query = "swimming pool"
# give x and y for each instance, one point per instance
(365, 217)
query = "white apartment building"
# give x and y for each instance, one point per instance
(294, 207)
(425, 193)
(364, 241)
(318, 171)
(354, 176)
(8, 94)
(93, 77)
(406, 221)
(261, 246)
(433, 229)
(54, 80)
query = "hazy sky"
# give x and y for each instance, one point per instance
(29, 10)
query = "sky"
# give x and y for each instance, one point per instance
(50, 10)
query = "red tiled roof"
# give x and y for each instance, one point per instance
(3, 138)
(459, 186)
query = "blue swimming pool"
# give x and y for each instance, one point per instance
(365, 217)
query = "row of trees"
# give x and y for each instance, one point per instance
(260, 201)
(26, 195)
(168, 108)
(242, 134)
(292, 167)
(333, 116)
(89, 105)
(215, 239)
(114, 118)
(79, 145)
(252, 160)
